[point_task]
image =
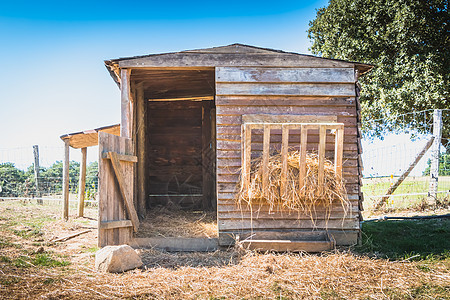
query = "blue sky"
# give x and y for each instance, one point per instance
(53, 80)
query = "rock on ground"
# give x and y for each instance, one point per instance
(116, 259)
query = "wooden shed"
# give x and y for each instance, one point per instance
(192, 120)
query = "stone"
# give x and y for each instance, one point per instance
(117, 259)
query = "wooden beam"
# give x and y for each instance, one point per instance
(405, 174)
(36, 173)
(265, 161)
(123, 190)
(115, 224)
(121, 157)
(82, 182)
(206, 98)
(266, 118)
(246, 155)
(206, 155)
(322, 141)
(66, 179)
(435, 154)
(302, 163)
(125, 121)
(141, 144)
(284, 160)
(338, 151)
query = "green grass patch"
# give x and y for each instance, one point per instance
(408, 239)
(38, 260)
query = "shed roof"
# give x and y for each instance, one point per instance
(89, 138)
(234, 55)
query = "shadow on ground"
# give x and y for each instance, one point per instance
(174, 260)
(407, 239)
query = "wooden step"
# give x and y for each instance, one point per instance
(315, 241)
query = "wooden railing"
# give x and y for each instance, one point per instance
(285, 127)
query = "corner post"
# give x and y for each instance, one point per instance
(66, 180)
(126, 108)
(435, 153)
(82, 182)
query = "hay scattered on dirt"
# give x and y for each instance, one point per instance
(306, 199)
(174, 222)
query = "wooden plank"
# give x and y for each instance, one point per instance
(236, 120)
(235, 145)
(82, 182)
(287, 245)
(207, 155)
(284, 110)
(121, 157)
(321, 173)
(272, 75)
(302, 163)
(141, 145)
(115, 224)
(338, 152)
(178, 244)
(201, 60)
(284, 162)
(242, 224)
(125, 128)
(124, 190)
(267, 118)
(246, 156)
(300, 89)
(66, 179)
(288, 101)
(265, 160)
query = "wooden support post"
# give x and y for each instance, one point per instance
(284, 159)
(214, 158)
(322, 144)
(435, 154)
(405, 174)
(246, 156)
(36, 173)
(82, 182)
(125, 121)
(66, 179)
(141, 142)
(338, 151)
(206, 155)
(265, 161)
(302, 162)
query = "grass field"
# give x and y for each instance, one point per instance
(397, 260)
(373, 187)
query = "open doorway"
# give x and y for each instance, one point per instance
(180, 153)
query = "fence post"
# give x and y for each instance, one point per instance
(36, 173)
(82, 182)
(66, 180)
(435, 153)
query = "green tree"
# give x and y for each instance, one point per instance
(444, 165)
(407, 41)
(91, 180)
(11, 180)
(51, 177)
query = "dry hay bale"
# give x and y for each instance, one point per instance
(305, 199)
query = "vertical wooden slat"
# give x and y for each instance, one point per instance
(302, 163)
(284, 159)
(338, 151)
(141, 128)
(82, 182)
(66, 179)
(214, 158)
(265, 161)
(246, 155)
(125, 129)
(322, 141)
(206, 155)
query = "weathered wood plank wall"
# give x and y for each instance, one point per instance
(175, 152)
(284, 91)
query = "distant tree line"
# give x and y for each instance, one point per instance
(444, 165)
(18, 183)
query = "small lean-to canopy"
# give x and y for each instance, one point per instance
(89, 138)
(235, 55)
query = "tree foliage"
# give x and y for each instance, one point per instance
(444, 165)
(11, 180)
(407, 41)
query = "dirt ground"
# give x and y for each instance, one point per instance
(32, 266)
